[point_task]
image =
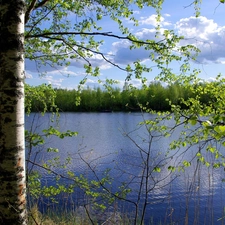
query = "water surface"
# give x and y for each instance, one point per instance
(113, 140)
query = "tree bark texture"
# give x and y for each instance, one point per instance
(12, 150)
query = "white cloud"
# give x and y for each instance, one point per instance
(136, 12)
(200, 27)
(124, 55)
(205, 34)
(28, 75)
(145, 34)
(53, 80)
(65, 71)
(211, 79)
(92, 83)
(202, 32)
(119, 44)
(152, 20)
(96, 61)
(166, 14)
(35, 66)
(136, 83)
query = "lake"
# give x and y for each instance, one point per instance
(138, 160)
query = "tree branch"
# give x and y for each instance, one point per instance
(32, 27)
(108, 34)
(40, 4)
(87, 49)
(53, 35)
(29, 10)
(103, 56)
(49, 170)
(33, 5)
(70, 46)
(189, 5)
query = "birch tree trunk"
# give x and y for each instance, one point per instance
(12, 150)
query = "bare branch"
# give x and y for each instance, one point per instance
(102, 184)
(49, 170)
(87, 49)
(53, 36)
(192, 3)
(29, 10)
(40, 4)
(38, 21)
(35, 57)
(108, 34)
(103, 56)
(33, 6)
(69, 45)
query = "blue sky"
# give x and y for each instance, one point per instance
(207, 32)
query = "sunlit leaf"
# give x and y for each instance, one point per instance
(157, 169)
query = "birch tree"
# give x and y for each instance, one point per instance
(12, 154)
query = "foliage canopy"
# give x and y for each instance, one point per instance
(58, 32)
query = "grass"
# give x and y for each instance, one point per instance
(79, 217)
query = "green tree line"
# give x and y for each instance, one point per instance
(155, 97)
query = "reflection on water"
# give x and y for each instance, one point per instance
(113, 140)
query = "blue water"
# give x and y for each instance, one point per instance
(113, 140)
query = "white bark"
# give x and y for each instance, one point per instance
(12, 150)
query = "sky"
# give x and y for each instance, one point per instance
(207, 32)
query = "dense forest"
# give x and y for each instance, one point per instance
(155, 97)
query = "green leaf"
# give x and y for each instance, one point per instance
(184, 144)
(186, 163)
(220, 129)
(52, 150)
(216, 165)
(172, 168)
(157, 169)
(193, 120)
